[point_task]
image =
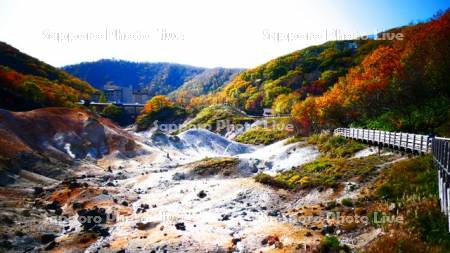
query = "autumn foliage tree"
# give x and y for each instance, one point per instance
(160, 110)
(400, 85)
(157, 103)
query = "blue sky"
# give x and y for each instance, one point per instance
(207, 33)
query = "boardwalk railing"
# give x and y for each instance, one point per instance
(412, 143)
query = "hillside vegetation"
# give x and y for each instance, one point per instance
(216, 118)
(399, 84)
(160, 110)
(27, 83)
(308, 71)
(156, 78)
(209, 81)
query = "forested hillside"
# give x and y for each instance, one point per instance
(27, 83)
(292, 77)
(401, 85)
(396, 84)
(204, 83)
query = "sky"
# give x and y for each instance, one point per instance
(206, 33)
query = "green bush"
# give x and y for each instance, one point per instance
(335, 146)
(331, 244)
(272, 181)
(347, 202)
(260, 135)
(116, 114)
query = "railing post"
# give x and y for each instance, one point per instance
(395, 140)
(407, 141)
(448, 208)
(440, 188)
(446, 156)
(421, 143)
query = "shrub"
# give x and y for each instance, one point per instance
(335, 146)
(116, 114)
(331, 244)
(215, 166)
(347, 202)
(260, 135)
(264, 178)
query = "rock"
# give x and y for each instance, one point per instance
(77, 205)
(270, 240)
(143, 208)
(124, 203)
(146, 225)
(121, 251)
(102, 231)
(225, 217)
(50, 245)
(201, 194)
(92, 217)
(19, 233)
(38, 191)
(179, 176)
(6, 244)
(234, 241)
(53, 206)
(274, 213)
(26, 213)
(360, 211)
(180, 226)
(308, 234)
(314, 228)
(328, 229)
(47, 237)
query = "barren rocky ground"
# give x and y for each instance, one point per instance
(176, 194)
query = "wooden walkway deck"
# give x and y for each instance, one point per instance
(438, 147)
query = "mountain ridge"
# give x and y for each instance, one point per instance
(158, 78)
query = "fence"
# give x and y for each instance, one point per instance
(438, 147)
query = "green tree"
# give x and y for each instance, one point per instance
(102, 98)
(116, 114)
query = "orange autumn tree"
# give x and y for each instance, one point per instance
(306, 115)
(157, 103)
(160, 110)
(361, 91)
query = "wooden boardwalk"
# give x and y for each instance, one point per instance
(438, 147)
